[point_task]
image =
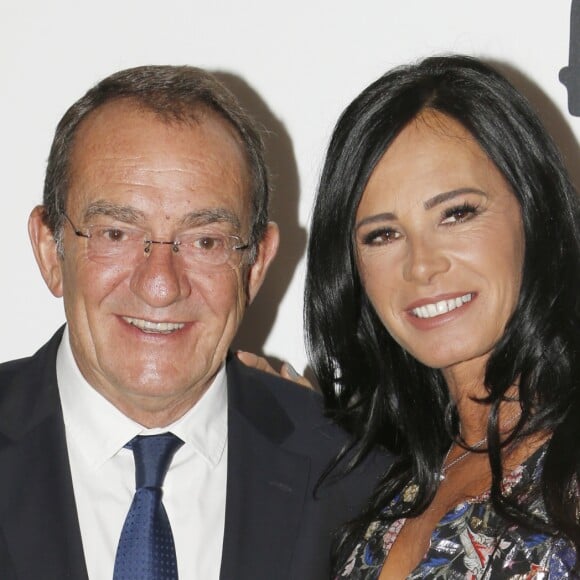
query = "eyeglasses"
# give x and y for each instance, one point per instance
(125, 246)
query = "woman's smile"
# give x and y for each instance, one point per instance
(433, 309)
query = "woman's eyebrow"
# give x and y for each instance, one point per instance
(379, 217)
(446, 195)
(429, 204)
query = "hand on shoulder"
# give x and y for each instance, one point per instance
(287, 371)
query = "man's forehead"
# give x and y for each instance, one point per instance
(122, 142)
(123, 114)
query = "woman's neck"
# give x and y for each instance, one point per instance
(467, 389)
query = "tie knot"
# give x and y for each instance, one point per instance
(153, 455)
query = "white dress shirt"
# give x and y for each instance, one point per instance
(103, 473)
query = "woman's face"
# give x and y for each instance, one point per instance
(440, 244)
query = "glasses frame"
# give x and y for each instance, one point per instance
(147, 244)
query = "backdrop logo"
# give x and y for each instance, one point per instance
(570, 75)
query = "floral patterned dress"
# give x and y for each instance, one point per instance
(472, 542)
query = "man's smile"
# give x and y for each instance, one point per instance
(151, 326)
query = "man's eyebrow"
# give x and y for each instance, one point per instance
(122, 213)
(134, 216)
(209, 216)
(447, 195)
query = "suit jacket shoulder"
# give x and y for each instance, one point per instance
(39, 532)
(280, 444)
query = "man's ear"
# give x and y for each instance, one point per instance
(45, 250)
(265, 253)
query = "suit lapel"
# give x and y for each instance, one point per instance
(266, 485)
(38, 513)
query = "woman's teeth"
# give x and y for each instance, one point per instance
(441, 307)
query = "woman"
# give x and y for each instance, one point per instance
(442, 322)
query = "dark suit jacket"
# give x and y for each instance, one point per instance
(278, 445)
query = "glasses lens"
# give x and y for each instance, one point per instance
(209, 249)
(115, 244)
(126, 246)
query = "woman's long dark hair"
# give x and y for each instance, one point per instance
(374, 388)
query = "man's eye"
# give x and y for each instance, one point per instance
(207, 243)
(112, 234)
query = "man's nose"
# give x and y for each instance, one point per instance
(425, 259)
(159, 280)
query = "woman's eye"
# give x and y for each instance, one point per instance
(459, 214)
(381, 237)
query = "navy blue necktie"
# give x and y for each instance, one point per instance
(146, 550)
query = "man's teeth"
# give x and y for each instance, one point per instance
(154, 327)
(441, 307)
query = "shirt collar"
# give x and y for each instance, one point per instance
(100, 430)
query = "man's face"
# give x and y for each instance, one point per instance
(131, 168)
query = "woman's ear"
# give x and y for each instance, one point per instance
(45, 250)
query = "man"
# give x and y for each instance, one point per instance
(155, 232)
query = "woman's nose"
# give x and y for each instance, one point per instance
(425, 259)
